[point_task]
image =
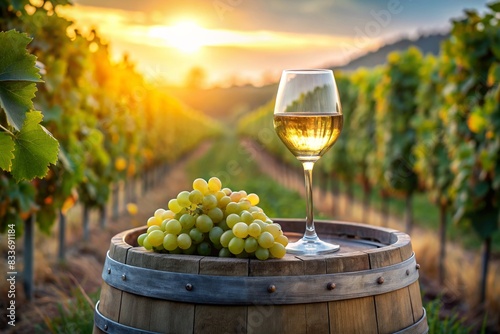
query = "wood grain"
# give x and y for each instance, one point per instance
(363, 249)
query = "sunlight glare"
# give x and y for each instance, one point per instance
(186, 36)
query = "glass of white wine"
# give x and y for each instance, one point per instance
(308, 120)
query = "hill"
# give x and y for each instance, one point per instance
(226, 104)
(428, 44)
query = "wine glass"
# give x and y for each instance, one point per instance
(308, 120)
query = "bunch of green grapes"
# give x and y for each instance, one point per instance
(211, 220)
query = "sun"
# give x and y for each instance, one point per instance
(186, 36)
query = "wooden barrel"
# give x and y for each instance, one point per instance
(369, 286)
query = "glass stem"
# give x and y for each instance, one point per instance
(310, 233)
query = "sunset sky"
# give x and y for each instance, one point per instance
(254, 40)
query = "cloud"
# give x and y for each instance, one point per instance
(252, 36)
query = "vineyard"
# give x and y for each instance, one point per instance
(84, 138)
(421, 125)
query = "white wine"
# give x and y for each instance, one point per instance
(308, 135)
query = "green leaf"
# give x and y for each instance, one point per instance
(18, 77)
(495, 6)
(484, 222)
(24, 194)
(35, 149)
(6, 149)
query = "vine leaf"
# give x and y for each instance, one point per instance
(18, 77)
(35, 149)
(6, 151)
(495, 6)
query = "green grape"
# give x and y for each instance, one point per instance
(232, 219)
(204, 223)
(223, 202)
(168, 214)
(224, 252)
(155, 238)
(219, 194)
(159, 248)
(153, 228)
(274, 229)
(196, 196)
(196, 235)
(254, 230)
(209, 202)
(232, 207)
(173, 226)
(240, 230)
(170, 242)
(216, 214)
(226, 237)
(174, 205)
(246, 217)
(262, 253)
(282, 239)
(140, 239)
(233, 222)
(159, 213)
(179, 214)
(146, 244)
(261, 224)
(236, 245)
(277, 250)
(266, 240)
(164, 223)
(201, 185)
(187, 221)
(259, 215)
(223, 225)
(244, 204)
(153, 221)
(184, 241)
(204, 249)
(191, 250)
(253, 198)
(183, 199)
(251, 245)
(215, 234)
(236, 196)
(214, 184)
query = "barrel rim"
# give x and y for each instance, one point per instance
(387, 237)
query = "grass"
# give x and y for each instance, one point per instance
(76, 315)
(449, 324)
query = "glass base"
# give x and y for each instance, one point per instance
(311, 247)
